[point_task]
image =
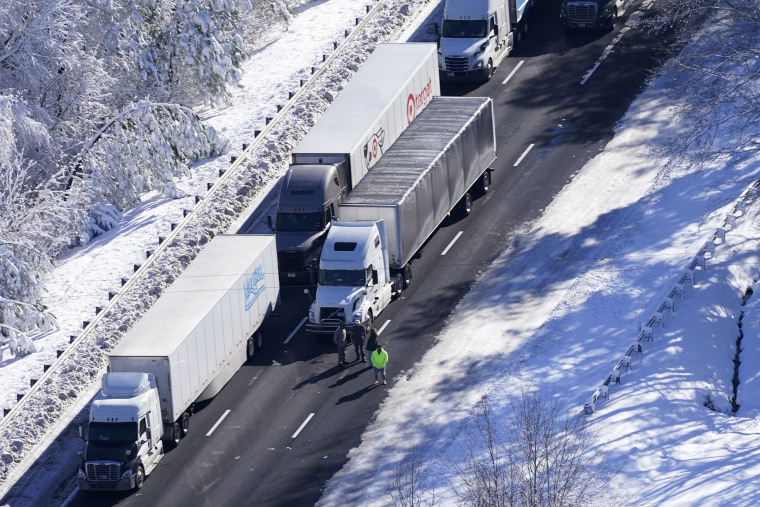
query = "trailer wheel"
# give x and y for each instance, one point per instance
(176, 434)
(484, 183)
(407, 276)
(250, 349)
(398, 285)
(139, 478)
(465, 205)
(185, 424)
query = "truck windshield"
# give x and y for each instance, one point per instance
(464, 29)
(294, 222)
(343, 277)
(112, 434)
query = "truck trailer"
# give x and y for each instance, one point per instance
(433, 168)
(183, 350)
(388, 91)
(476, 35)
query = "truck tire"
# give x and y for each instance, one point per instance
(407, 276)
(398, 285)
(139, 478)
(484, 183)
(185, 424)
(176, 434)
(464, 207)
(250, 347)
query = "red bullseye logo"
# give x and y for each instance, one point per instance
(375, 149)
(411, 109)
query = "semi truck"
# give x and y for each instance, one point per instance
(591, 14)
(476, 35)
(434, 167)
(388, 91)
(183, 350)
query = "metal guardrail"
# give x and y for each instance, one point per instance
(646, 332)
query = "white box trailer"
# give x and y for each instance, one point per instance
(200, 331)
(431, 167)
(184, 349)
(387, 92)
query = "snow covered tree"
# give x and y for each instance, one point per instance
(144, 148)
(23, 223)
(536, 456)
(721, 95)
(184, 52)
(208, 48)
(45, 62)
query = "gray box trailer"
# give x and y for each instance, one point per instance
(429, 169)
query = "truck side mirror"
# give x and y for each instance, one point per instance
(269, 222)
(437, 29)
(81, 432)
(374, 276)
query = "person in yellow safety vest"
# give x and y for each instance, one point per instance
(379, 360)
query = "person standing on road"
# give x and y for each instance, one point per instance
(371, 342)
(357, 333)
(339, 337)
(379, 360)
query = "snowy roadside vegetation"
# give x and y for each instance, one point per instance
(97, 107)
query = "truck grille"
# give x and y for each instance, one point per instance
(582, 12)
(328, 313)
(456, 64)
(291, 260)
(104, 471)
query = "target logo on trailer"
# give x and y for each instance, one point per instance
(416, 101)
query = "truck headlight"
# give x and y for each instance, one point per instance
(81, 474)
(127, 473)
(312, 312)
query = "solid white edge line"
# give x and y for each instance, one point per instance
(226, 412)
(524, 154)
(519, 64)
(446, 250)
(303, 425)
(293, 333)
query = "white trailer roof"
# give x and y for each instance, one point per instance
(366, 96)
(190, 298)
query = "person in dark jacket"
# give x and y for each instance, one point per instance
(357, 335)
(339, 337)
(371, 341)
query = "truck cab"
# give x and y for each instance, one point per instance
(309, 196)
(475, 36)
(591, 14)
(123, 437)
(354, 277)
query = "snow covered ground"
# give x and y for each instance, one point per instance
(556, 312)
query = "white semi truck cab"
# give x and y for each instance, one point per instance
(124, 433)
(354, 277)
(476, 35)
